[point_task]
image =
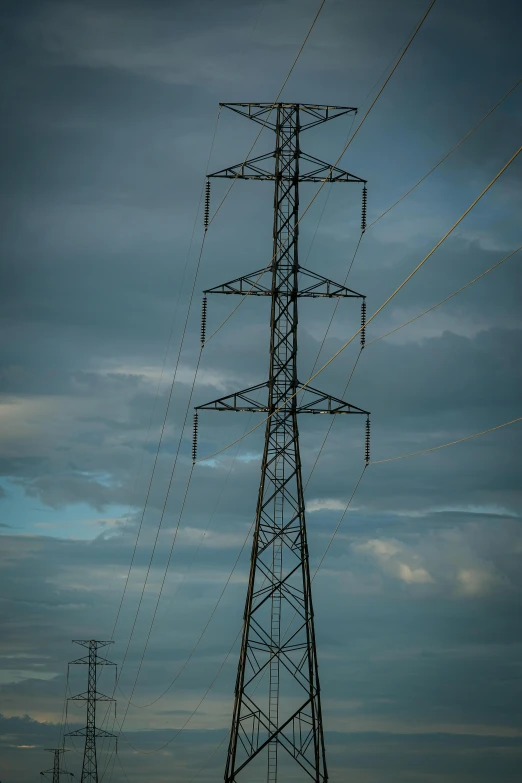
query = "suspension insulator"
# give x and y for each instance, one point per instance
(364, 205)
(207, 205)
(203, 320)
(195, 439)
(367, 442)
(363, 323)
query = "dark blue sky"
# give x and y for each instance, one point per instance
(108, 112)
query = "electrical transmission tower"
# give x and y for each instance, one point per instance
(55, 770)
(277, 723)
(91, 696)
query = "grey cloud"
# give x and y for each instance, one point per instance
(111, 110)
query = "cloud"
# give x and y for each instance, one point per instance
(111, 111)
(476, 581)
(388, 554)
(328, 504)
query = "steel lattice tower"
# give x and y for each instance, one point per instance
(55, 770)
(91, 697)
(277, 707)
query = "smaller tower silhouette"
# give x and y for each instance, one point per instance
(91, 696)
(55, 770)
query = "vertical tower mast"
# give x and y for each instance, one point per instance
(91, 732)
(277, 707)
(56, 771)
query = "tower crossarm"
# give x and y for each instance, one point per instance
(89, 642)
(324, 172)
(232, 402)
(248, 285)
(99, 660)
(83, 732)
(331, 404)
(85, 696)
(313, 114)
(251, 169)
(322, 287)
(252, 285)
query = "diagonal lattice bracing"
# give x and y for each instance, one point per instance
(277, 726)
(91, 696)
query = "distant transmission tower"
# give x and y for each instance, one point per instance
(55, 770)
(277, 721)
(91, 696)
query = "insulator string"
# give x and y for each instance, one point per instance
(367, 442)
(363, 323)
(195, 439)
(203, 320)
(206, 215)
(364, 205)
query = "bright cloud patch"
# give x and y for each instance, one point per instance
(325, 504)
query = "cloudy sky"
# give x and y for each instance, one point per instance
(109, 111)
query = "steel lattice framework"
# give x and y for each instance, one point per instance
(277, 723)
(55, 770)
(91, 696)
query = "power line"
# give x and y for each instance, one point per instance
(162, 430)
(197, 269)
(446, 156)
(418, 453)
(226, 585)
(159, 447)
(335, 309)
(325, 180)
(467, 211)
(227, 582)
(196, 645)
(252, 31)
(290, 624)
(204, 236)
(491, 268)
(293, 65)
(324, 441)
(176, 307)
(263, 125)
(407, 193)
(319, 453)
(220, 669)
(170, 482)
(373, 462)
(171, 390)
(187, 721)
(160, 593)
(160, 523)
(217, 210)
(154, 548)
(169, 399)
(385, 303)
(210, 520)
(446, 298)
(336, 530)
(445, 445)
(122, 769)
(453, 149)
